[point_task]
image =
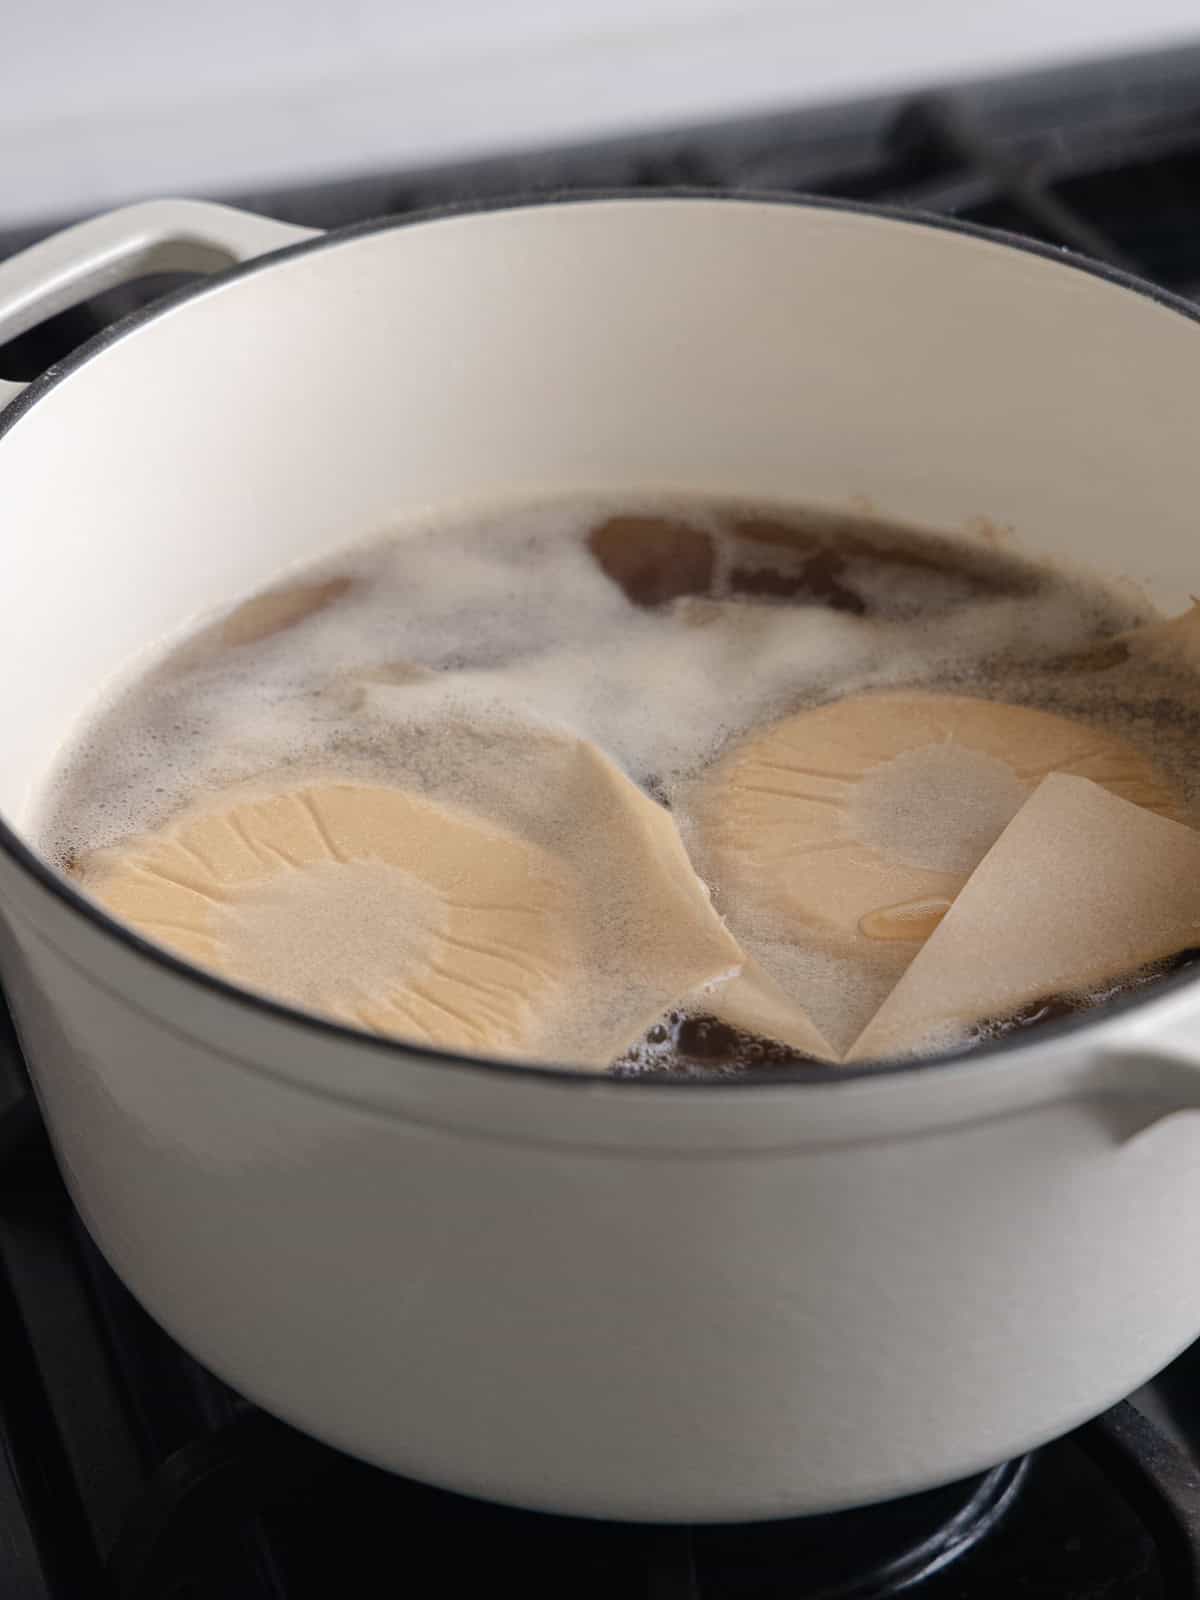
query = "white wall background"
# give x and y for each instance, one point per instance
(103, 102)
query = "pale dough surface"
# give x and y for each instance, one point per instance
(752, 1001)
(1081, 888)
(858, 822)
(418, 918)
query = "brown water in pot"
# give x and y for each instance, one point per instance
(665, 631)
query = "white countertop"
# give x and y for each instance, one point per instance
(100, 104)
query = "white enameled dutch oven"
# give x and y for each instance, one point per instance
(642, 1300)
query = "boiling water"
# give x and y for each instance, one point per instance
(662, 630)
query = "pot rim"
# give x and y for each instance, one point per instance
(818, 1074)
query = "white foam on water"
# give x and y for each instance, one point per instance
(453, 628)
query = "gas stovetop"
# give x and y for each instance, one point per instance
(128, 1471)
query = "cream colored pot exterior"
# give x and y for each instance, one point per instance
(585, 1295)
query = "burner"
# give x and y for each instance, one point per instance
(1111, 1514)
(200, 1508)
(854, 1555)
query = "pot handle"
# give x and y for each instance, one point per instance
(1156, 1062)
(154, 236)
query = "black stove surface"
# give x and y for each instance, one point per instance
(129, 1471)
